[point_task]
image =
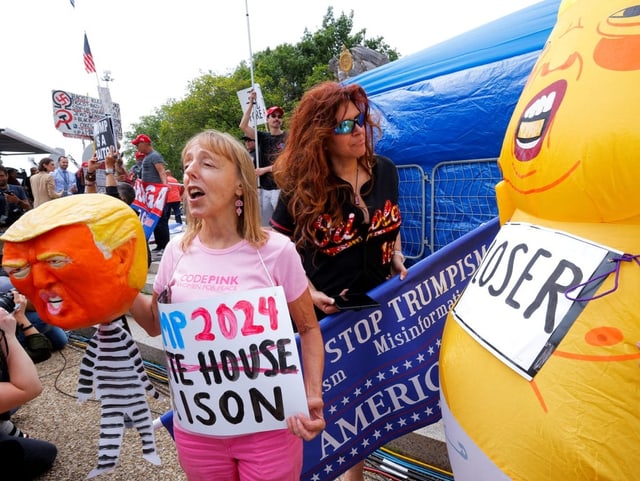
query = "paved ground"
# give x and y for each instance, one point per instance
(56, 416)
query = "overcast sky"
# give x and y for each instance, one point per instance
(153, 48)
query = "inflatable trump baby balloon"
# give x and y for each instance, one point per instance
(81, 259)
(539, 365)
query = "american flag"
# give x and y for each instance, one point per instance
(89, 66)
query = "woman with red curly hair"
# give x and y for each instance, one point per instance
(338, 200)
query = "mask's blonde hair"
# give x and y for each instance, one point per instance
(111, 222)
(224, 145)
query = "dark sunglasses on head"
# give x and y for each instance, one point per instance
(347, 126)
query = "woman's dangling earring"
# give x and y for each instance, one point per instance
(239, 205)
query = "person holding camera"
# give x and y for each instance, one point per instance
(21, 457)
(38, 339)
(14, 201)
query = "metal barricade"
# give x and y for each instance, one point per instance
(438, 209)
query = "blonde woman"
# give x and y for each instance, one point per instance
(223, 235)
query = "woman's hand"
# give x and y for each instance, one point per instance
(111, 158)
(92, 164)
(21, 304)
(305, 427)
(323, 302)
(7, 323)
(397, 266)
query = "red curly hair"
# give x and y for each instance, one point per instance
(303, 170)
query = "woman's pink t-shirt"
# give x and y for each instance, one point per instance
(201, 272)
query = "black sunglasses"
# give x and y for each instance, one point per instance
(347, 126)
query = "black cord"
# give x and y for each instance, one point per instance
(4, 353)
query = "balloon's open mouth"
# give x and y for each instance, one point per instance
(536, 120)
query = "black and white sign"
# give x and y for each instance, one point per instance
(515, 304)
(103, 137)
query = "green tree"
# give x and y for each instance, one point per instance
(284, 74)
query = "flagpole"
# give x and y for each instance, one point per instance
(253, 86)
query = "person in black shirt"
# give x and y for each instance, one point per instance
(338, 201)
(270, 145)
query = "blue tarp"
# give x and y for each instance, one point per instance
(453, 101)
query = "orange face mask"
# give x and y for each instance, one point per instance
(81, 260)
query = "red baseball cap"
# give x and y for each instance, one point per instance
(140, 155)
(274, 109)
(141, 138)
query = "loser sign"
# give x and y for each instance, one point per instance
(524, 283)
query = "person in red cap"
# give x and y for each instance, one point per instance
(153, 170)
(136, 169)
(270, 145)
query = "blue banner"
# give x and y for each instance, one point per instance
(381, 364)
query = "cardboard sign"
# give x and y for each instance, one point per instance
(74, 115)
(522, 282)
(259, 112)
(104, 137)
(233, 362)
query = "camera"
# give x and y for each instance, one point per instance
(6, 301)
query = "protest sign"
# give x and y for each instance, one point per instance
(522, 282)
(259, 112)
(74, 115)
(104, 138)
(149, 203)
(233, 362)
